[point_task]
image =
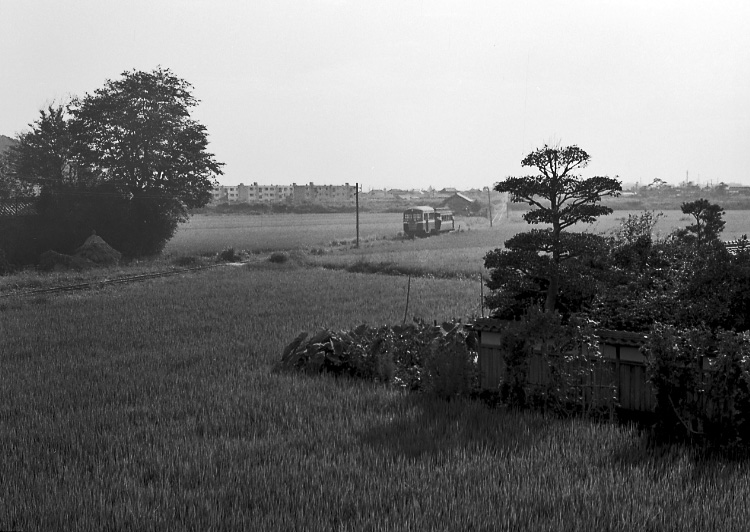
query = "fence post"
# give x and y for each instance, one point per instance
(408, 290)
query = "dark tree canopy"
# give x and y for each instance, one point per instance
(43, 156)
(8, 184)
(126, 161)
(561, 198)
(520, 273)
(557, 195)
(137, 131)
(672, 280)
(708, 222)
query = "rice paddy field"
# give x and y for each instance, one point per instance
(331, 238)
(153, 406)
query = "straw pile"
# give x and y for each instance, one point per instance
(94, 252)
(98, 251)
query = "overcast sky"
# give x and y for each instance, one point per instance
(412, 94)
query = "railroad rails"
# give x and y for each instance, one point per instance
(104, 282)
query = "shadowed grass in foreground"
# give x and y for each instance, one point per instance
(152, 407)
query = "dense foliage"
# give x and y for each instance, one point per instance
(559, 198)
(702, 383)
(127, 161)
(440, 359)
(681, 280)
(568, 350)
(708, 223)
(687, 291)
(520, 273)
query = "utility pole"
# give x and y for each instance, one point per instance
(356, 199)
(489, 204)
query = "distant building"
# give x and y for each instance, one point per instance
(459, 203)
(219, 195)
(408, 195)
(324, 194)
(255, 193)
(379, 194)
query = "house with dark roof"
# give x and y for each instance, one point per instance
(459, 203)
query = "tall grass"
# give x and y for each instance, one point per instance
(152, 407)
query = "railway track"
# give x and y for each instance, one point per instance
(104, 282)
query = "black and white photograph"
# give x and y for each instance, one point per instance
(388, 265)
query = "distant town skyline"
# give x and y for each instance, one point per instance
(395, 94)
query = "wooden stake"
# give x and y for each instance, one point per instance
(408, 291)
(481, 292)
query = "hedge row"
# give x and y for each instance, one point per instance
(439, 359)
(701, 378)
(702, 384)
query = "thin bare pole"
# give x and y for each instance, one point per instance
(356, 196)
(408, 291)
(481, 292)
(489, 205)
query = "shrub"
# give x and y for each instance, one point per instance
(451, 368)
(279, 257)
(5, 266)
(702, 384)
(22, 238)
(437, 359)
(228, 255)
(186, 261)
(568, 351)
(136, 227)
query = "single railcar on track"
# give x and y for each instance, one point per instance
(426, 221)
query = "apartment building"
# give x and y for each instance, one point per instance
(324, 194)
(256, 193)
(311, 193)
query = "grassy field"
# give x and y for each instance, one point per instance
(328, 241)
(331, 237)
(277, 232)
(152, 407)
(462, 252)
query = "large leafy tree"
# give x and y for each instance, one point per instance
(127, 161)
(138, 132)
(559, 198)
(42, 156)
